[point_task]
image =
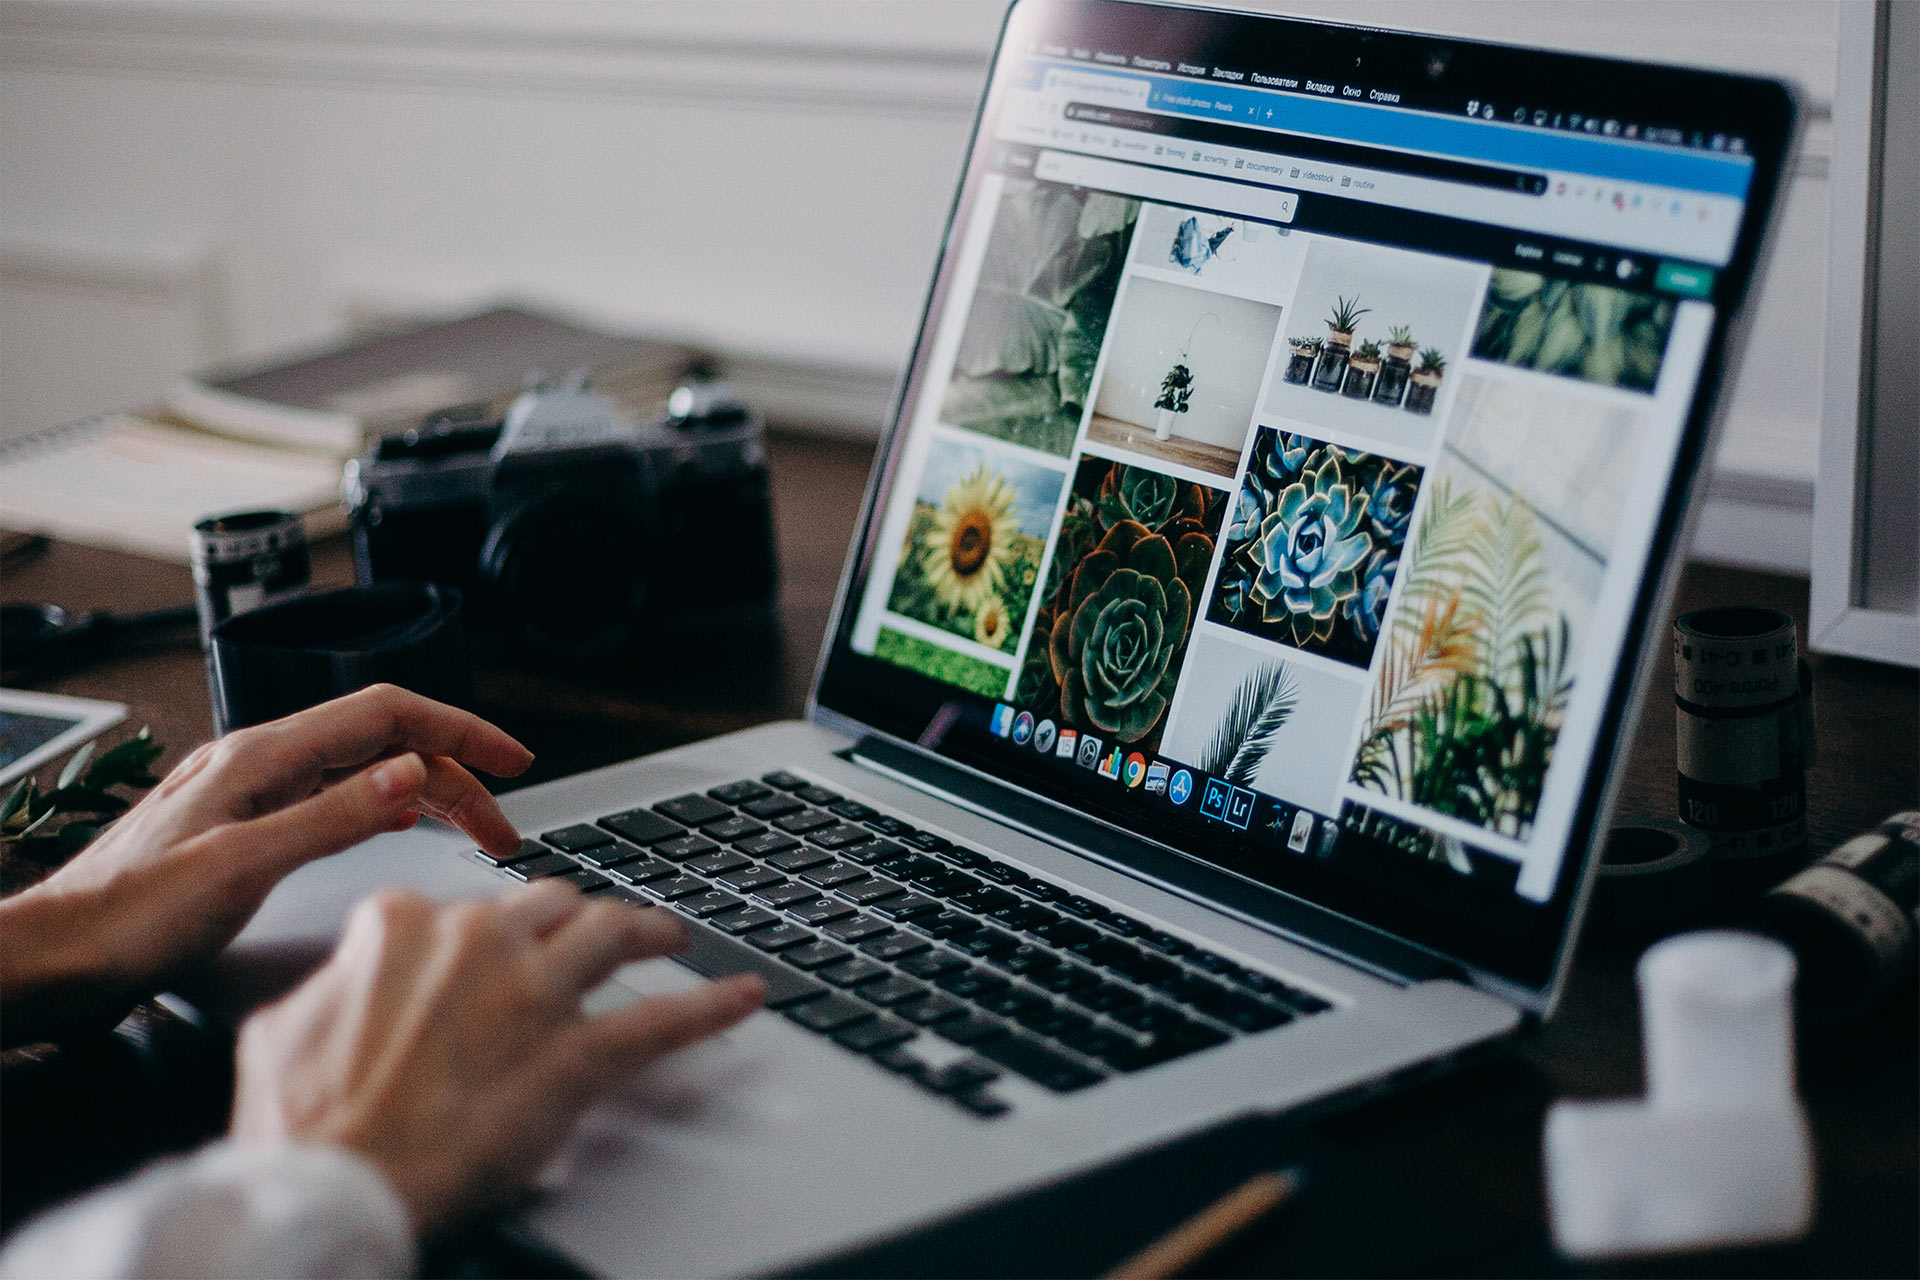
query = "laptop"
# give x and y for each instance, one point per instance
(1220, 709)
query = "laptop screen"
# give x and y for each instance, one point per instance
(1299, 426)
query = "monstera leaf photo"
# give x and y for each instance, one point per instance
(1119, 602)
(1312, 545)
(1027, 354)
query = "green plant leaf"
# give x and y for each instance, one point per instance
(126, 765)
(16, 801)
(85, 800)
(71, 774)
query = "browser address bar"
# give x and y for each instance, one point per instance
(1165, 188)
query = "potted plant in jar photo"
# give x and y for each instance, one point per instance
(1176, 389)
(1425, 381)
(1300, 362)
(1391, 387)
(1363, 369)
(1331, 368)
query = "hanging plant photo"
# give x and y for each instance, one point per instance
(1117, 606)
(1594, 332)
(1312, 545)
(1026, 357)
(1470, 696)
(973, 545)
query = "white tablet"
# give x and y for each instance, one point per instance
(38, 727)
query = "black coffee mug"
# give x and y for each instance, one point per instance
(281, 658)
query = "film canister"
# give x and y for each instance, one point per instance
(245, 560)
(1743, 737)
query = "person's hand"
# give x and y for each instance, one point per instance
(446, 1044)
(177, 877)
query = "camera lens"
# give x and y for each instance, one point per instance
(563, 571)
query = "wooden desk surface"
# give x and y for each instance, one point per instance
(1451, 1167)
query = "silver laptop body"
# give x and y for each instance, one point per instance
(1232, 173)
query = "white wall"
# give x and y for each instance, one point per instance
(184, 180)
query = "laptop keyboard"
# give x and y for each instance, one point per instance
(879, 935)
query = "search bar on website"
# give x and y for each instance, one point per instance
(1166, 188)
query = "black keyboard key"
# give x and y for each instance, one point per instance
(851, 973)
(1065, 978)
(894, 946)
(945, 882)
(903, 1061)
(778, 937)
(613, 853)
(970, 984)
(851, 810)
(796, 859)
(1026, 959)
(1242, 1012)
(585, 881)
(738, 792)
(892, 989)
(868, 852)
(925, 841)
(798, 824)
(972, 1030)
(749, 878)
(930, 1009)
(1164, 1046)
(743, 919)
(970, 859)
(717, 956)
(1051, 1020)
(830, 1013)
(1039, 921)
(772, 807)
(887, 825)
(529, 849)
(1046, 1067)
(1106, 997)
(870, 890)
(692, 810)
(644, 870)
(784, 780)
(731, 830)
(870, 1037)
(914, 867)
(931, 964)
(905, 907)
(680, 848)
(855, 971)
(620, 893)
(642, 826)
(813, 793)
(1149, 1015)
(770, 843)
(717, 863)
(819, 910)
(1095, 1041)
(839, 836)
(1001, 873)
(675, 886)
(1165, 943)
(1081, 907)
(830, 874)
(983, 1104)
(989, 942)
(1023, 916)
(1067, 933)
(783, 895)
(815, 955)
(581, 835)
(702, 905)
(857, 927)
(541, 868)
(986, 898)
(1125, 926)
(1212, 962)
(961, 1077)
(1010, 1001)
(945, 924)
(1042, 891)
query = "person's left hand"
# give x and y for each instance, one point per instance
(176, 878)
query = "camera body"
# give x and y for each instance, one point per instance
(578, 534)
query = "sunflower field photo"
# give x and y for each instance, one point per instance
(971, 556)
(1117, 608)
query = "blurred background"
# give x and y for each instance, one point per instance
(185, 184)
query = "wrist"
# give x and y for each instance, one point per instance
(55, 965)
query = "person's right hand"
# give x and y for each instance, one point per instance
(446, 1043)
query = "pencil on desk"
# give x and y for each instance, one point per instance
(1212, 1227)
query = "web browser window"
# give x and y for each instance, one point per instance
(1285, 454)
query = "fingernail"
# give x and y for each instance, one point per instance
(395, 776)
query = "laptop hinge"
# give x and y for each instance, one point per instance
(1298, 921)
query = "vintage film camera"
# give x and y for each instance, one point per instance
(579, 535)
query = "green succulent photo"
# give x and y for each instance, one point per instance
(1039, 314)
(1594, 332)
(1313, 544)
(1111, 631)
